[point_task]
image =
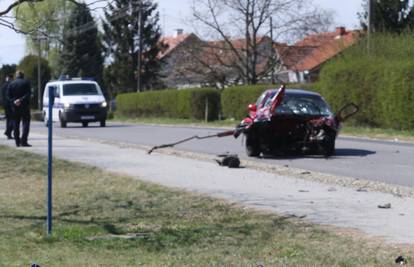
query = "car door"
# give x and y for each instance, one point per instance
(346, 112)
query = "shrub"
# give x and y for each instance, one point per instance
(185, 104)
(380, 82)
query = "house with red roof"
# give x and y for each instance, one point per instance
(189, 61)
(177, 57)
(303, 61)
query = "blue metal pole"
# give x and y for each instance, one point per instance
(49, 161)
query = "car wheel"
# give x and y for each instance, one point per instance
(84, 124)
(252, 146)
(328, 145)
(102, 123)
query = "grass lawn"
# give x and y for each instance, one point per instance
(102, 219)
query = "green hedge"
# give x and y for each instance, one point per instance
(380, 82)
(185, 104)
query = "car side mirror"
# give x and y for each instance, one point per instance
(346, 112)
(252, 107)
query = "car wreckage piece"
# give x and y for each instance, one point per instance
(221, 134)
(286, 121)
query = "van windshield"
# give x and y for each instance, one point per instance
(80, 89)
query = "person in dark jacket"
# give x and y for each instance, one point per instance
(19, 96)
(7, 107)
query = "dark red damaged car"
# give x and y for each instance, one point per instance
(292, 121)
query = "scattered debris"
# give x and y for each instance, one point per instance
(221, 134)
(305, 173)
(332, 189)
(290, 216)
(361, 189)
(303, 191)
(401, 214)
(230, 160)
(385, 206)
(401, 260)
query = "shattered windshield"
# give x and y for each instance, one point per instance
(303, 105)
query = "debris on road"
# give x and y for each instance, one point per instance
(401, 260)
(230, 160)
(385, 206)
(361, 189)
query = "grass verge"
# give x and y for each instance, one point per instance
(102, 219)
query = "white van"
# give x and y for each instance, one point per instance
(76, 100)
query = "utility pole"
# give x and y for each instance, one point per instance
(39, 73)
(140, 22)
(369, 27)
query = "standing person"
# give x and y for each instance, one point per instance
(19, 95)
(7, 107)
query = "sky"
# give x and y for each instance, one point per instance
(173, 14)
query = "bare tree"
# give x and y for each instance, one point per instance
(241, 26)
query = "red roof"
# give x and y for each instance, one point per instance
(292, 55)
(326, 46)
(171, 42)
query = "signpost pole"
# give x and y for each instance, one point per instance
(49, 160)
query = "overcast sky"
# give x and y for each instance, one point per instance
(173, 14)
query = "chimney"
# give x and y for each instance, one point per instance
(340, 31)
(178, 32)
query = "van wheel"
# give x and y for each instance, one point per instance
(62, 122)
(84, 124)
(45, 120)
(102, 123)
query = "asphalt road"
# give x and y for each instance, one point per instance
(390, 162)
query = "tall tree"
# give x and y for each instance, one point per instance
(82, 49)
(9, 21)
(44, 22)
(122, 38)
(393, 16)
(239, 25)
